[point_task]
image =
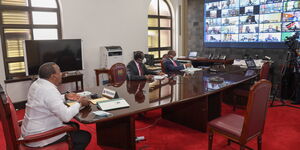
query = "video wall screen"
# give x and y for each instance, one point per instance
(250, 23)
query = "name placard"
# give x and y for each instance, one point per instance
(109, 93)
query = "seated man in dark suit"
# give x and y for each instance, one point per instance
(136, 70)
(171, 65)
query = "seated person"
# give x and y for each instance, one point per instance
(171, 65)
(45, 109)
(136, 70)
(271, 29)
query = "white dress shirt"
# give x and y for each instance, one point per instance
(45, 110)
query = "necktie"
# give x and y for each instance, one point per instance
(174, 63)
(140, 70)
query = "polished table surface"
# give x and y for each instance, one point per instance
(203, 59)
(179, 90)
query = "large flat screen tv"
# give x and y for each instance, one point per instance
(65, 53)
(250, 23)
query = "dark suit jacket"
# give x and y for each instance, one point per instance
(169, 66)
(133, 72)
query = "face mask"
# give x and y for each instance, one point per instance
(144, 61)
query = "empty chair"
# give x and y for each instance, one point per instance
(244, 90)
(12, 131)
(239, 128)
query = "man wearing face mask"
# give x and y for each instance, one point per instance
(136, 69)
(172, 65)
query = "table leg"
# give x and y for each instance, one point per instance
(119, 133)
(193, 114)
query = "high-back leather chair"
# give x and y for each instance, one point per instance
(239, 128)
(163, 69)
(12, 132)
(264, 71)
(244, 91)
(116, 74)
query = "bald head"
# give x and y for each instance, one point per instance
(46, 70)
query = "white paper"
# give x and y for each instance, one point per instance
(159, 77)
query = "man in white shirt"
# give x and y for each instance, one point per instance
(45, 109)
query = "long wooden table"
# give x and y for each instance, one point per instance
(190, 100)
(206, 60)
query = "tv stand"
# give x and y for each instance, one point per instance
(73, 77)
(67, 78)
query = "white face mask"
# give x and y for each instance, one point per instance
(144, 61)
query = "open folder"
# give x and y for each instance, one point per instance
(113, 104)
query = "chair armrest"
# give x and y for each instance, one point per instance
(47, 134)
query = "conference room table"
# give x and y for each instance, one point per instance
(190, 99)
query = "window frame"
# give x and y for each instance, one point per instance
(159, 28)
(30, 26)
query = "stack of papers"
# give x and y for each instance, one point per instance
(239, 62)
(113, 104)
(160, 77)
(192, 69)
(94, 101)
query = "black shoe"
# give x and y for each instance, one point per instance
(295, 103)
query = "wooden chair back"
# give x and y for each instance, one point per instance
(256, 109)
(117, 74)
(9, 121)
(264, 72)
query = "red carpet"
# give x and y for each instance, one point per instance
(282, 132)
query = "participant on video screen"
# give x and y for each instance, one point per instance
(232, 3)
(213, 14)
(229, 37)
(270, 8)
(248, 37)
(292, 6)
(296, 16)
(270, 1)
(249, 29)
(250, 20)
(229, 29)
(271, 38)
(213, 6)
(213, 38)
(249, 2)
(213, 30)
(249, 10)
(270, 18)
(272, 29)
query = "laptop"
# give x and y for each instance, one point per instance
(250, 64)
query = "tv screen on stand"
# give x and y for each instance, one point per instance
(67, 54)
(250, 23)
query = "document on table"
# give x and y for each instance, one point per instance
(113, 104)
(159, 77)
(94, 101)
(192, 69)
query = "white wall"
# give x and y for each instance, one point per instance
(103, 23)
(100, 23)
